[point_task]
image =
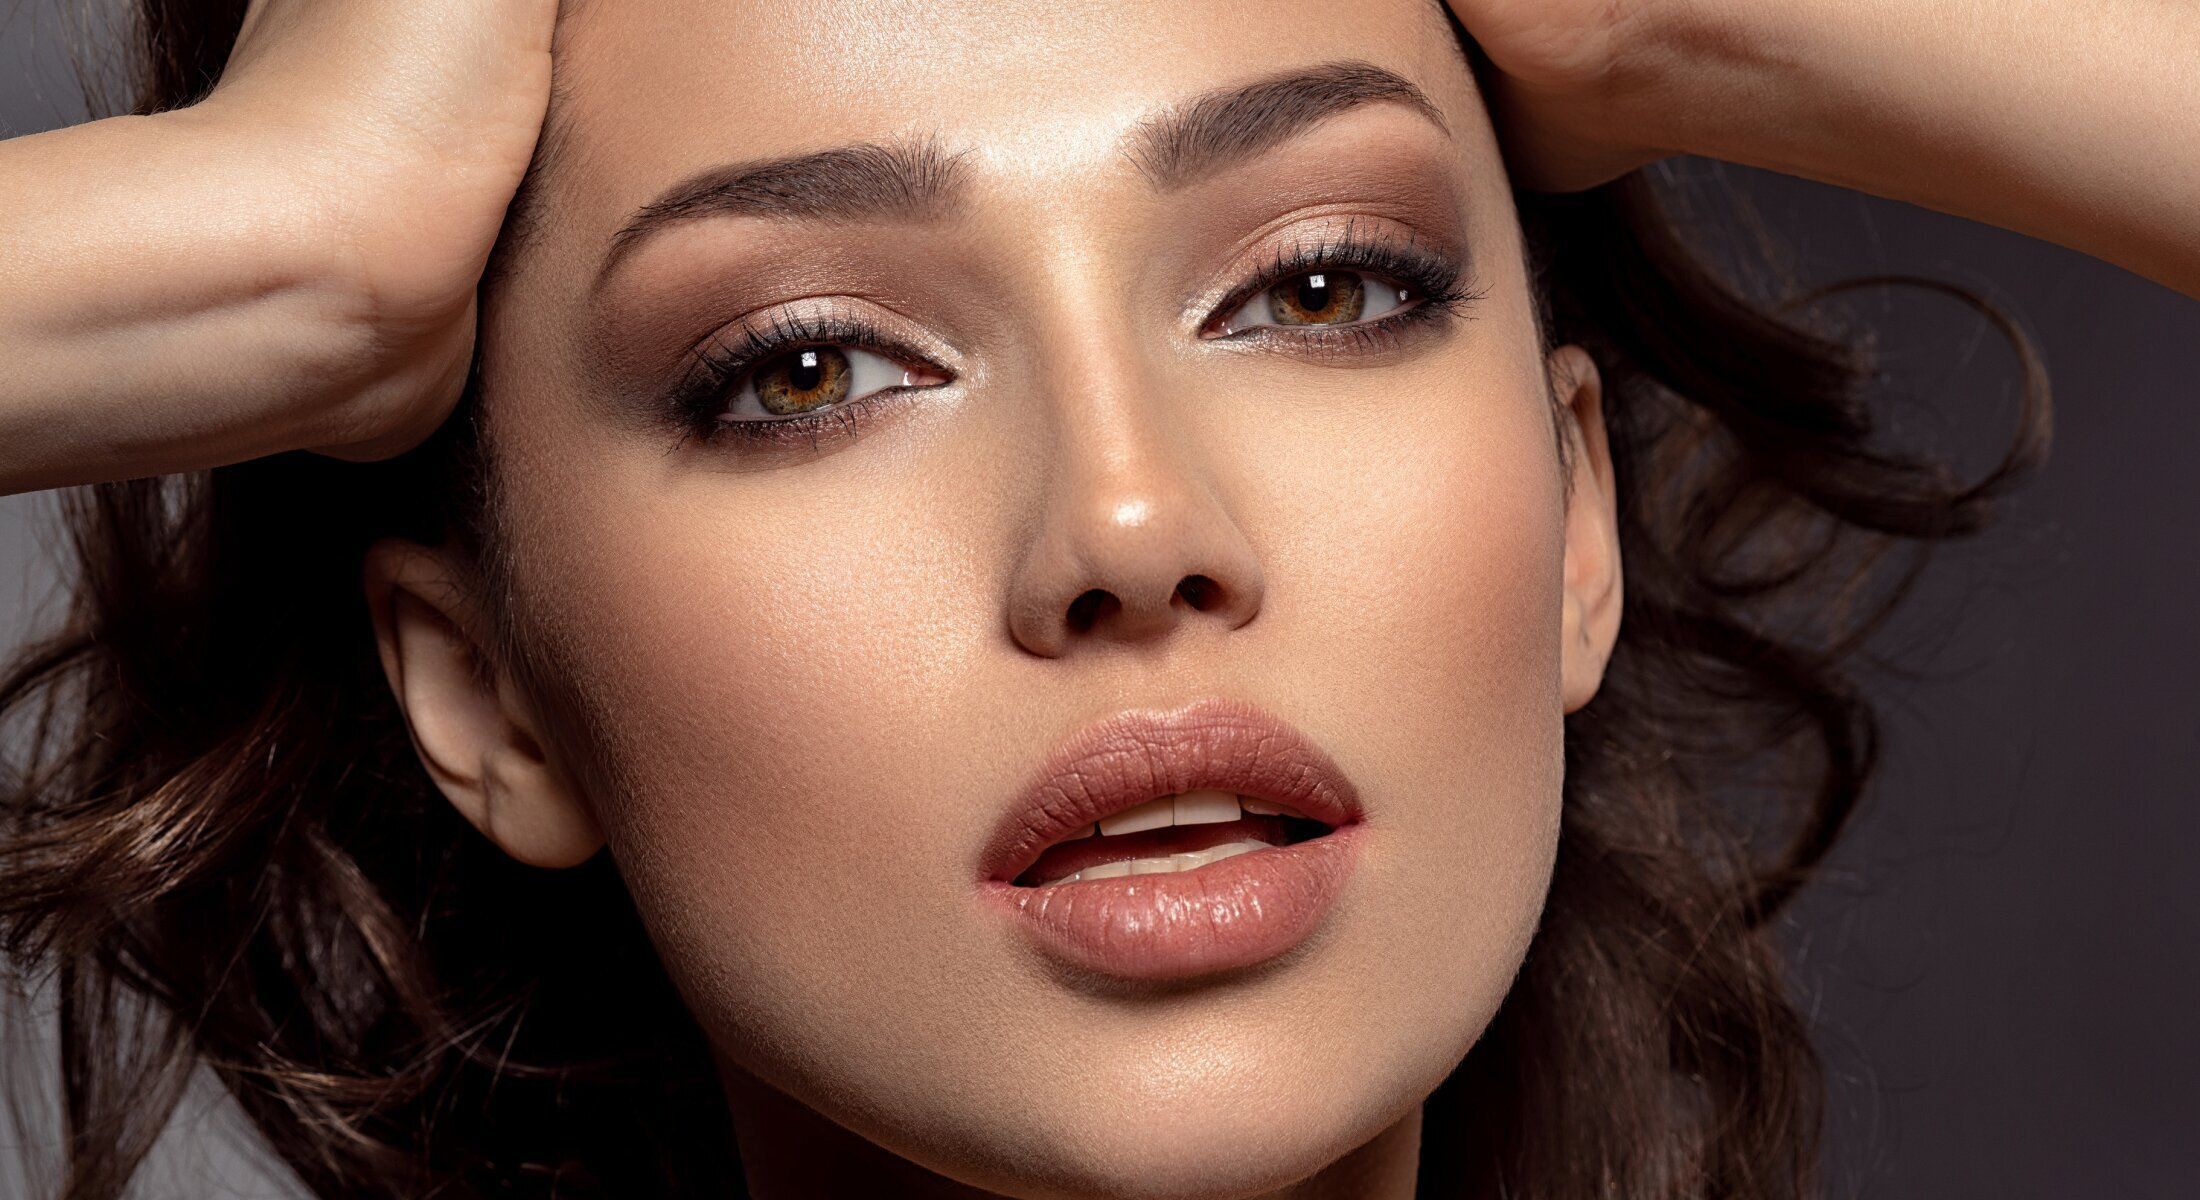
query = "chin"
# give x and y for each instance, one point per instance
(1214, 1158)
(1177, 1129)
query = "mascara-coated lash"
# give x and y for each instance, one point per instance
(1434, 282)
(722, 365)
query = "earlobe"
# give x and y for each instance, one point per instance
(1592, 577)
(471, 727)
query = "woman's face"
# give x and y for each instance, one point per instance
(1067, 351)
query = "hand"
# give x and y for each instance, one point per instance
(407, 127)
(1572, 76)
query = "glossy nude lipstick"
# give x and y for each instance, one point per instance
(1171, 843)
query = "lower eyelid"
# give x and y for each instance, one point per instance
(1427, 312)
(1393, 330)
(1398, 291)
(841, 422)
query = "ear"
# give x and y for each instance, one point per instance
(470, 724)
(1592, 572)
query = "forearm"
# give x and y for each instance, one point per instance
(2077, 121)
(169, 303)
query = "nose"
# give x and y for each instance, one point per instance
(1133, 541)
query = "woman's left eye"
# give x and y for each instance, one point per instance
(810, 379)
(1322, 297)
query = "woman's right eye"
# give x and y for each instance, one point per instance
(809, 379)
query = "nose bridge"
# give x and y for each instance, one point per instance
(1133, 540)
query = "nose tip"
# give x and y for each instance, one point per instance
(1131, 538)
(1133, 572)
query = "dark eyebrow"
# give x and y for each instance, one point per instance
(907, 180)
(1223, 128)
(916, 180)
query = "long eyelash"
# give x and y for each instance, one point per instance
(722, 364)
(1438, 284)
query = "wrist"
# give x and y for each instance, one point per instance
(1856, 93)
(1726, 79)
(272, 223)
(1642, 80)
(262, 190)
(391, 300)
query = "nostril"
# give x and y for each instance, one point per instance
(1087, 610)
(1200, 592)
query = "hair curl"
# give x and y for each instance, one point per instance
(221, 846)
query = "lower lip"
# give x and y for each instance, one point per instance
(1243, 910)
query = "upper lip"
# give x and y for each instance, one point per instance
(1127, 759)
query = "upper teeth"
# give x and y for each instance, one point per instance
(1188, 861)
(1204, 807)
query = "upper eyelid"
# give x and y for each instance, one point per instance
(776, 331)
(829, 309)
(1298, 257)
(841, 315)
(1270, 277)
(1307, 238)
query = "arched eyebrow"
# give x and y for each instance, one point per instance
(903, 180)
(1213, 132)
(916, 180)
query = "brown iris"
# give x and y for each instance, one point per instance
(802, 381)
(1318, 298)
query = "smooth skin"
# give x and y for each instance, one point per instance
(289, 264)
(262, 273)
(793, 689)
(309, 283)
(2071, 122)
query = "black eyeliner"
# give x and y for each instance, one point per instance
(1433, 281)
(721, 366)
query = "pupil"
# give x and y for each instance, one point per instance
(1315, 293)
(808, 372)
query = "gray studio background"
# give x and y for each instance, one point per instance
(2004, 965)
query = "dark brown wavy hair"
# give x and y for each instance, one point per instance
(220, 848)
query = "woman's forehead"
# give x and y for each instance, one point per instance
(648, 94)
(809, 65)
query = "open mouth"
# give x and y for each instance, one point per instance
(1169, 844)
(1170, 834)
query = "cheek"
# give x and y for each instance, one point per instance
(1434, 557)
(799, 718)
(1422, 626)
(763, 689)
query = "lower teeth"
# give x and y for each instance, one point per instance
(1186, 861)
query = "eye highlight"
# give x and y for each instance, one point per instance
(812, 378)
(793, 378)
(1354, 290)
(1322, 297)
(801, 377)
